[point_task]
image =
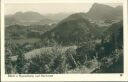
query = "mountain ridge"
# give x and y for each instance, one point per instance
(104, 12)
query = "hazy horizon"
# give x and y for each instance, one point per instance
(51, 8)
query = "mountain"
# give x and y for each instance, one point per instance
(34, 18)
(105, 12)
(98, 12)
(78, 27)
(73, 29)
(27, 18)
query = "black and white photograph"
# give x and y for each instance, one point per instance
(67, 40)
(64, 38)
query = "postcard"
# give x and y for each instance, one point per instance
(64, 40)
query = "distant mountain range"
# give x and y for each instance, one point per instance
(23, 18)
(97, 12)
(34, 18)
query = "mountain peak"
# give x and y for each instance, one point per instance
(104, 12)
(76, 16)
(100, 6)
(96, 4)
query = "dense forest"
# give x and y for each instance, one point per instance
(89, 42)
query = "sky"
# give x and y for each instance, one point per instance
(49, 8)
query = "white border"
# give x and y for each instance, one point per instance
(69, 77)
(58, 1)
